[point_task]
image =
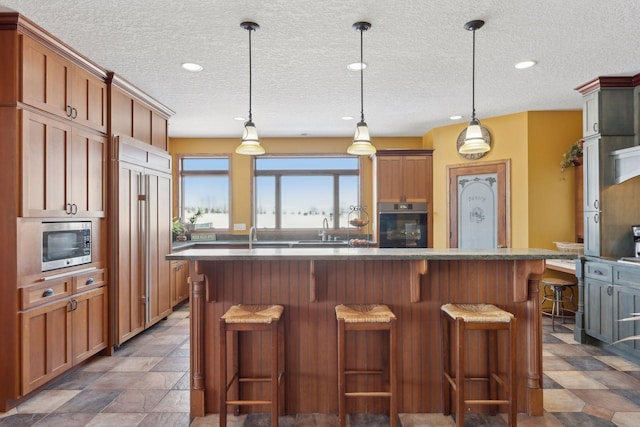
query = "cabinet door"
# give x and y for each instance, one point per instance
(389, 177)
(158, 196)
(87, 172)
(179, 281)
(130, 299)
(591, 174)
(45, 78)
(592, 233)
(45, 188)
(46, 343)
(89, 323)
(89, 100)
(598, 301)
(417, 178)
(590, 114)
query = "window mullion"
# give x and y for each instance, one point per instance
(278, 203)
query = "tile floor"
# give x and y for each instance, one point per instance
(146, 383)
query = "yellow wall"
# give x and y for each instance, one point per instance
(240, 165)
(541, 201)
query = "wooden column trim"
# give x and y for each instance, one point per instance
(312, 282)
(418, 269)
(197, 314)
(522, 269)
(527, 275)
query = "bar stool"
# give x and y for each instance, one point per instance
(487, 317)
(554, 291)
(374, 317)
(249, 318)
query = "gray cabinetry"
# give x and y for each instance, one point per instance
(598, 301)
(608, 111)
(626, 300)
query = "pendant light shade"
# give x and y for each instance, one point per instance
(250, 143)
(474, 141)
(361, 145)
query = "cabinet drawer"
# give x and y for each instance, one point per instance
(626, 276)
(90, 280)
(597, 270)
(44, 292)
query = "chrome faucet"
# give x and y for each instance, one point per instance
(325, 227)
(253, 235)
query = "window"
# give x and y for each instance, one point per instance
(300, 192)
(204, 188)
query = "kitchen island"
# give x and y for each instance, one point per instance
(413, 282)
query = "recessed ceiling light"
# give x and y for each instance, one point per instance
(346, 118)
(357, 66)
(190, 66)
(239, 119)
(455, 117)
(525, 64)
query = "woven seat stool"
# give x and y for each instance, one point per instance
(467, 317)
(250, 318)
(360, 317)
(554, 291)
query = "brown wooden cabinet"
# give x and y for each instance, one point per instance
(52, 83)
(135, 114)
(141, 208)
(403, 178)
(179, 282)
(64, 169)
(58, 332)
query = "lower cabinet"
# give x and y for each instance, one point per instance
(612, 293)
(179, 282)
(57, 335)
(598, 301)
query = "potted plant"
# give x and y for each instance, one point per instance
(573, 156)
(177, 230)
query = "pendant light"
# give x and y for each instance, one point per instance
(250, 143)
(474, 142)
(361, 144)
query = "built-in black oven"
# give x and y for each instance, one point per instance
(402, 225)
(65, 244)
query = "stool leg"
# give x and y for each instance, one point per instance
(446, 366)
(393, 383)
(492, 356)
(460, 372)
(513, 383)
(274, 373)
(554, 307)
(222, 384)
(342, 401)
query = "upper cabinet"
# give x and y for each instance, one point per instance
(54, 84)
(64, 169)
(136, 114)
(403, 177)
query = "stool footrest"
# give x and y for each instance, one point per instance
(369, 394)
(254, 379)
(486, 402)
(248, 402)
(363, 372)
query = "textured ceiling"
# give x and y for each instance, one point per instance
(418, 52)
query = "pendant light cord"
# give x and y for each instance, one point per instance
(361, 78)
(250, 117)
(473, 79)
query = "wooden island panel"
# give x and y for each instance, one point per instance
(310, 327)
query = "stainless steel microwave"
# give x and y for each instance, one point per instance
(65, 244)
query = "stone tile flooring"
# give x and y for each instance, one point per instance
(146, 383)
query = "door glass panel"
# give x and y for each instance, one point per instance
(477, 211)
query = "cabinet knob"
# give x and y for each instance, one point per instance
(596, 218)
(596, 204)
(598, 272)
(69, 110)
(610, 290)
(47, 293)
(74, 113)
(595, 127)
(74, 209)
(89, 281)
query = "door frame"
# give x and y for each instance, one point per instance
(502, 168)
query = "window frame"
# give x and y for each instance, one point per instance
(227, 173)
(279, 173)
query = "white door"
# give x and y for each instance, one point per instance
(477, 211)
